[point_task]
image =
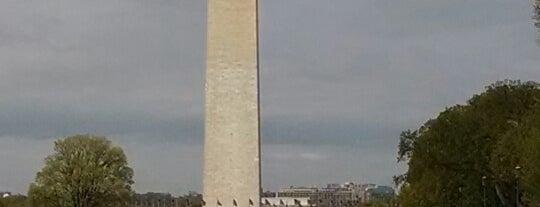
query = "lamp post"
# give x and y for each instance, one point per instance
(460, 197)
(518, 192)
(484, 189)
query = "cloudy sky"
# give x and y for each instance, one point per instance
(339, 80)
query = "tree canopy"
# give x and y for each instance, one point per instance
(83, 171)
(474, 147)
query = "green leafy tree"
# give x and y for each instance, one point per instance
(83, 171)
(488, 136)
(524, 140)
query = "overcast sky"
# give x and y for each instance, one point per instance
(339, 80)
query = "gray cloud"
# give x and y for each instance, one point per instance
(340, 80)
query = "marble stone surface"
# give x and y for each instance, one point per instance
(232, 144)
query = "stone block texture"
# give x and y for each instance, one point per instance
(232, 144)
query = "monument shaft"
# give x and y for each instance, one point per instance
(232, 146)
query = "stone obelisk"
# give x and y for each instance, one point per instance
(231, 174)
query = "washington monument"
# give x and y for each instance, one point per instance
(231, 174)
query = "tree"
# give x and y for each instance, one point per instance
(525, 139)
(83, 171)
(489, 136)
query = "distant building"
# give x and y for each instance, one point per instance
(300, 192)
(292, 196)
(361, 191)
(333, 195)
(333, 185)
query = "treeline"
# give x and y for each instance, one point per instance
(89, 171)
(137, 200)
(14, 201)
(483, 153)
(192, 199)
